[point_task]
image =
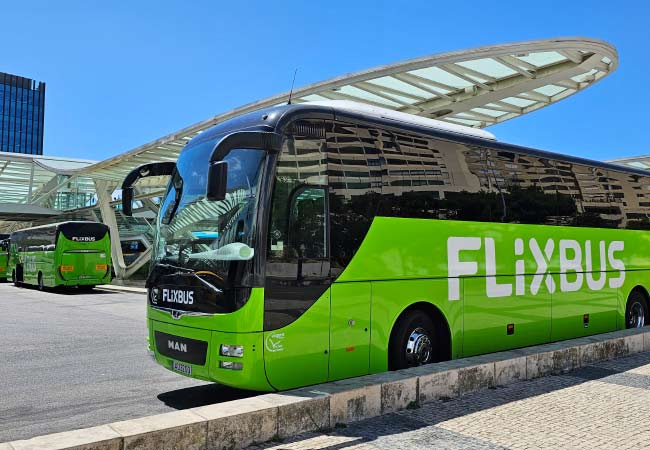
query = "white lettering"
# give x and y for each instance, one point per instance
(593, 283)
(456, 267)
(616, 246)
(492, 287)
(520, 268)
(179, 347)
(178, 296)
(542, 260)
(568, 265)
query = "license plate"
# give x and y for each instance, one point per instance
(182, 368)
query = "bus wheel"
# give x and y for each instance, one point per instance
(412, 341)
(636, 312)
(41, 286)
(13, 277)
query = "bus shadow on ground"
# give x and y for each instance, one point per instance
(68, 290)
(63, 290)
(207, 394)
(420, 423)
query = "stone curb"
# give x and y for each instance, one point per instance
(239, 423)
(123, 289)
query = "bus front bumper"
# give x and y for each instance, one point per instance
(232, 359)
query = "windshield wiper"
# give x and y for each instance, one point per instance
(171, 266)
(188, 271)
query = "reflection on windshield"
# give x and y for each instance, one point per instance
(205, 235)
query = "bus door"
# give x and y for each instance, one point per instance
(297, 282)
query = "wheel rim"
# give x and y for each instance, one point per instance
(418, 347)
(637, 316)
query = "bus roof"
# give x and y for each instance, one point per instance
(58, 224)
(279, 117)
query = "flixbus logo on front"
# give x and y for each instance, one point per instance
(576, 265)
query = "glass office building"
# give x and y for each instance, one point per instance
(22, 109)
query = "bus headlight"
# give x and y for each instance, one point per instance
(231, 365)
(235, 351)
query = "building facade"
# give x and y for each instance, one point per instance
(22, 110)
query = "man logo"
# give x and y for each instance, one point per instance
(177, 346)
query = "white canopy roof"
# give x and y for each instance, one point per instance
(477, 88)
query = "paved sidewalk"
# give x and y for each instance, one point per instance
(604, 406)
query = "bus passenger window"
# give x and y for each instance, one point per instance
(307, 224)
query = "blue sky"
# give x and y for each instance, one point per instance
(120, 74)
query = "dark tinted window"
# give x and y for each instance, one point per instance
(354, 167)
(297, 266)
(83, 231)
(630, 200)
(380, 172)
(35, 239)
(308, 223)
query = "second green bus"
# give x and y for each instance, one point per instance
(72, 254)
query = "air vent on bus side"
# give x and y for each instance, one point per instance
(307, 129)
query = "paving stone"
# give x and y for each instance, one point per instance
(595, 407)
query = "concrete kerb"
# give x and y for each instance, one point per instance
(240, 423)
(123, 289)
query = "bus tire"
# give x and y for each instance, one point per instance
(636, 311)
(14, 280)
(412, 341)
(41, 286)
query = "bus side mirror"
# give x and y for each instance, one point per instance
(217, 181)
(127, 201)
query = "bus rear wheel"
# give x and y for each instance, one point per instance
(636, 311)
(41, 286)
(14, 280)
(412, 341)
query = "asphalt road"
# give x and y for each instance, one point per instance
(72, 360)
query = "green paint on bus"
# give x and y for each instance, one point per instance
(4, 258)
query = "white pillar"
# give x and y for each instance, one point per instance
(104, 191)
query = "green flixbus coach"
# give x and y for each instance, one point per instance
(320, 241)
(68, 254)
(4, 256)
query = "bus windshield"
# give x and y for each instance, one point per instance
(197, 234)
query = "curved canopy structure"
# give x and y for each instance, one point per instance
(638, 162)
(477, 88)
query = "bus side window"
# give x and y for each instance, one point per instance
(308, 224)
